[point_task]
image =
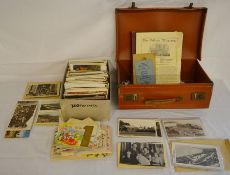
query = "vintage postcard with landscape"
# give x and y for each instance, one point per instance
(197, 156)
(48, 118)
(183, 127)
(49, 112)
(139, 128)
(141, 155)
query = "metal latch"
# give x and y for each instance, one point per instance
(130, 97)
(198, 96)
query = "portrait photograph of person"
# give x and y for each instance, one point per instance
(140, 154)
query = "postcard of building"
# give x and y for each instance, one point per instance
(42, 90)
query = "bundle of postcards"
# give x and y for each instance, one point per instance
(87, 79)
(190, 150)
(141, 154)
(81, 139)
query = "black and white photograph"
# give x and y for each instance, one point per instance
(197, 156)
(140, 154)
(42, 89)
(138, 128)
(50, 106)
(48, 118)
(184, 128)
(23, 116)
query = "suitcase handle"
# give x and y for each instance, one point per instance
(163, 101)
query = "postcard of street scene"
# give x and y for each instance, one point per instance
(184, 128)
(139, 128)
(197, 156)
(42, 90)
(141, 155)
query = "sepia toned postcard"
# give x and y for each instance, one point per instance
(49, 112)
(141, 155)
(17, 134)
(88, 67)
(50, 105)
(197, 156)
(23, 116)
(184, 127)
(48, 118)
(139, 128)
(42, 90)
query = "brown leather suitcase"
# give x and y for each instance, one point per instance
(196, 89)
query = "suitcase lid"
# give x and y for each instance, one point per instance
(188, 20)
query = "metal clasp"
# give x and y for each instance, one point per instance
(198, 96)
(130, 97)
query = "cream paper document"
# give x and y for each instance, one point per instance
(167, 46)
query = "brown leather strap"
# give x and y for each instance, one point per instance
(163, 101)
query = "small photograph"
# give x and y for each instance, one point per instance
(140, 155)
(138, 128)
(184, 127)
(160, 49)
(17, 134)
(50, 106)
(48, 118)
(23, 116)
(40, 89)
(197, 156)
(86, 68)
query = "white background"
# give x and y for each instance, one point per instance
(38, 36)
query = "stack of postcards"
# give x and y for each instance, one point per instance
(81, 139)
(87, 79)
